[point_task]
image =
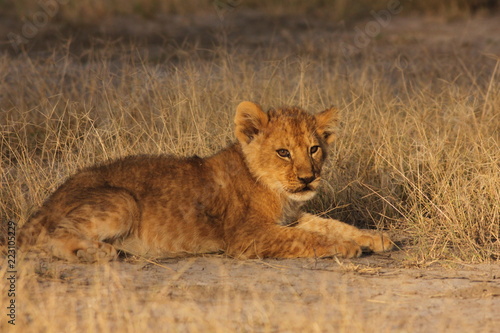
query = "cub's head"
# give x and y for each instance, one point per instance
(285, 148)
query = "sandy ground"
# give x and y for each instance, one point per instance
(374, 293)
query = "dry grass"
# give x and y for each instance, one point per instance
(418, 150)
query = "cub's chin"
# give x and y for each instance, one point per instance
(301, 195)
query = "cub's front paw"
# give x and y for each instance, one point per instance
(374, 241)
(347, 249)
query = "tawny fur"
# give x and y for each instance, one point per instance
(244, 200)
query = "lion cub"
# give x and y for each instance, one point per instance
(245, 200)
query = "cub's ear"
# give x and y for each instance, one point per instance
(326, 123)
(249, 120)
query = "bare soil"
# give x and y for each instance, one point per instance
(376, 293)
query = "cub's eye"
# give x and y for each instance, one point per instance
(283, 153)
(314, 149)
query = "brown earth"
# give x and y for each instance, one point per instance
(375, 293)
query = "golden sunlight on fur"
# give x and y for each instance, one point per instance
(245, 200)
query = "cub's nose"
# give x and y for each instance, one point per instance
(307, 180)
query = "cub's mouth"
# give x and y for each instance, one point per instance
(303, 193)
(304, 189)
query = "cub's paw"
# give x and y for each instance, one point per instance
(101, 252)
(374, 241)
(347, 249)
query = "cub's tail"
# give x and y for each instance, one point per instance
(33, 230)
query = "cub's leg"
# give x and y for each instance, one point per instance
(94, 218)
(368, 239)
(277, 241)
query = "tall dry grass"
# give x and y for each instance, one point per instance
(417, 152)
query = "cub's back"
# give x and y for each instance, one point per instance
(142, 175)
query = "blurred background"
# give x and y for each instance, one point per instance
(34, 25)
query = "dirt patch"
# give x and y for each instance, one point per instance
(372, 293)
